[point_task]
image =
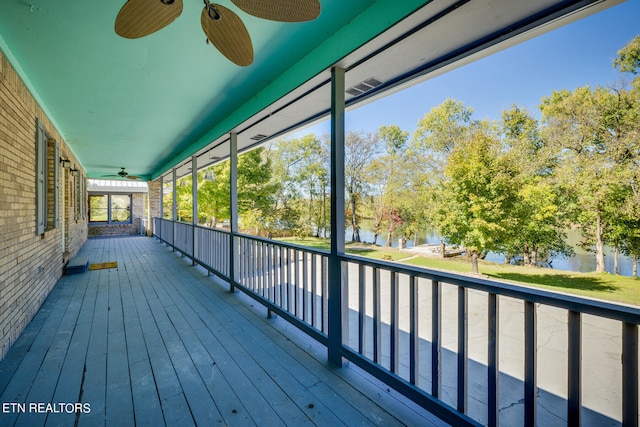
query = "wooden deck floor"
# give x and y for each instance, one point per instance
(157, 342)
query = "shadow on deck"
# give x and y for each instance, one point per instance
(157, 342)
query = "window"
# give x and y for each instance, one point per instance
(47, 164)
(79, 200)
(110, 208)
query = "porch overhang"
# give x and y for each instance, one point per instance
(150, 104)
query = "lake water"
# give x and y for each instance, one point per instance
(582, 261)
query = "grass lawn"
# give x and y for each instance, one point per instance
(594, 285)
(605, 286)
(361, 249)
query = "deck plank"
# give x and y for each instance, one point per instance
(157, 342)
(252, 378)
(231, 371)
(299, 380)
(291, 396)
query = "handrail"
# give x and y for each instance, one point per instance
(292, 281)
(615, 311)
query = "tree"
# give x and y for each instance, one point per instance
(301, 167)
(594, 133)
(539, 222)
(443, 126)
(388, 178)
(213, 195)
(360, 150)
(477, 195)
(256, 190)
(628, 59)
(438, 134)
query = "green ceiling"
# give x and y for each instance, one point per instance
(144, 104)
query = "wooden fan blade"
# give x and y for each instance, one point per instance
(281, 10)
(228, 34)
(139, 18)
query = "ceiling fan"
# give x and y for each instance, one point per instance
(122, 174)
(223, 27)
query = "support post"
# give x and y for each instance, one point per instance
(630, 374)
(174, 209)
(337, 323)
(530, 365)
(194, 204)
(233, 208)
(174, 189)
(493, 361)
(574, 388)
(159, 232)
(162, 197)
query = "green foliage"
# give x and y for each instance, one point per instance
(394, 138)
(628, 59)
(361, 149)
(301, 170)
(594, 133)
(476, 199)
(513, 185)
(443, 126)
(539, 219)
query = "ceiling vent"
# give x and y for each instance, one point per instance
(258, 137)
(364, 86)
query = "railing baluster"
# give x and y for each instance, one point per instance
(436, 341)
(296, 283)
(270, 272)
(414, 337)
(377, 321)
(260, 267)
(254, 265)
(395, 320)
(493, 361)
(362, 301)
(530, 365)
(282, 277)
(261, 270)
(574, 407)
(247, 263)
(305, 287)
(629, 374)
(325, 294)
(250, 265)
(290, 300)
(463, 349)
(314, 289)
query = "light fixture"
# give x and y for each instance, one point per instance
(75, 172)
(209, 176)
(65, 163)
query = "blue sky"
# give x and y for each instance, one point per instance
(577, 54)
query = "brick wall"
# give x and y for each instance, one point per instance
(30, 264)
(154, 204)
